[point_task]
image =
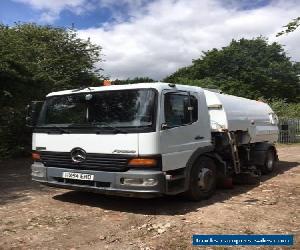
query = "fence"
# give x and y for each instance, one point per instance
(289, 130)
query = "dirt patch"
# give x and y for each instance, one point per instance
(37, 217)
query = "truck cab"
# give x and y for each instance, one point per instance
(141, 140)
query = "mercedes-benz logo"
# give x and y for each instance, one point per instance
(78, 155)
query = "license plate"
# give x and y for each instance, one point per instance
(78, 176)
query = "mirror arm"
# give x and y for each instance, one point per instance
(164, 126)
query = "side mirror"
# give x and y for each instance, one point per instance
(28, 118)
(164, 126)
(32, 113)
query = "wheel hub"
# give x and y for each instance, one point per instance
(205, 178)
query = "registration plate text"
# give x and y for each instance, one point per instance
(78, 176)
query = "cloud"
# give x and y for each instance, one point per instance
(124, 9)
(51, 9)
(154, 38)
(168, 34)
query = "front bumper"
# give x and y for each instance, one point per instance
(104, 182)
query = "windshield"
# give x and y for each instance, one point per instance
(107, 109)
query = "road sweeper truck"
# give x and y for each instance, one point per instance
(149, 139)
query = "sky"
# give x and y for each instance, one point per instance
(153, 38)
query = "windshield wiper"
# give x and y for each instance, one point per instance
(62, 130)
(99, 125)
(106, 125)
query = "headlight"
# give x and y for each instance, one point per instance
(38, 171)
(138, 181)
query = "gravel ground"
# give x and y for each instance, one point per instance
(36, 217)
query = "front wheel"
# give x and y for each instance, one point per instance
(203, 178)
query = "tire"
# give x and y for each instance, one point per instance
(202, 188)
(270, 162)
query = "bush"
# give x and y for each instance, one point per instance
(284, 109)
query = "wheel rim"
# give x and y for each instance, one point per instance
(270, 160)
(205, 179)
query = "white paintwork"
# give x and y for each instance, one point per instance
(92, 143)
(234, 113)
(149, 144)
(176, 145)
(179, 143)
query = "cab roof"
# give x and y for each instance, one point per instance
(154, 85)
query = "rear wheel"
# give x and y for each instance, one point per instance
(202, 179)
(270, 162)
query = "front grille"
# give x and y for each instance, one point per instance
(103, 162)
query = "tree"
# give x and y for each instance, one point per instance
(290, 27)
(284, 109)
(249, 68)
(35, 60)
(133, 80)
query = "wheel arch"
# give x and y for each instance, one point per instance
(205, 152)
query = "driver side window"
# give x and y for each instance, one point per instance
(177, 109)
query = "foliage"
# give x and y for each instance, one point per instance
(132, 81)
(249, 68)
(290, 27)
(284, 109)
(35, 60)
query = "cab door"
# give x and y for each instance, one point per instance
(180, 132)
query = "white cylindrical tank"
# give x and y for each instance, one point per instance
(235, 113)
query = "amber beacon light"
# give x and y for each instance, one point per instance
(106, 83)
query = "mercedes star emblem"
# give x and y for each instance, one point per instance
(78, 155)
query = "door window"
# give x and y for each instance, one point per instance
(180, 109)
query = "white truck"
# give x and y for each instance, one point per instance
(149, 139)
